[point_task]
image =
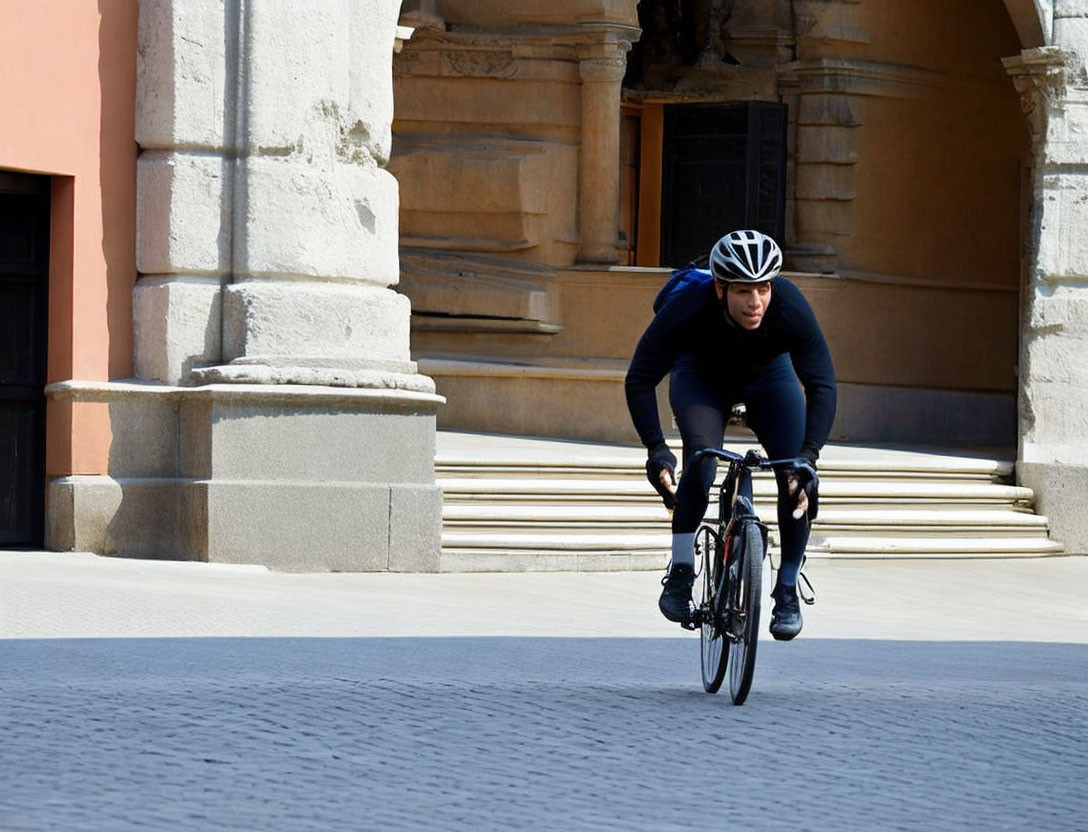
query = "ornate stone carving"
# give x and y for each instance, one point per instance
(1039, 77)
(493, 63)
(602, 69)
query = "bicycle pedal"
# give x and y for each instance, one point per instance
(806, 593)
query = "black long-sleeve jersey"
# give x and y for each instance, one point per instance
(691, 327)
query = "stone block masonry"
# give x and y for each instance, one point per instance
(264, 129)
(272, 348)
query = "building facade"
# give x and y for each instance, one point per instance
(214, 214)
(918, 162)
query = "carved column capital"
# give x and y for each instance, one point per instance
(1035, 72)
(603, 68)
(1039, 76)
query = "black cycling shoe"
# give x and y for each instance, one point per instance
(786, 619)
(675, 601)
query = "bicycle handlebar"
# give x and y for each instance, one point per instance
(752, 459)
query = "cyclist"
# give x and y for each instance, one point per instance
(746, 336)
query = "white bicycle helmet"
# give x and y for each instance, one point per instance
(745, 257)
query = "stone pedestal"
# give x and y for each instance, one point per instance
(294, 478)
(267, 246)
(1053, 453)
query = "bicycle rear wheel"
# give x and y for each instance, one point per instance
(746, 570)
(713, 642)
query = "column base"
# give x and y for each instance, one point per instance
(608, 256)
(1059, 493)
(271, 373)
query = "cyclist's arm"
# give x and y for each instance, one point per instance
(653, 359)
(812, 361)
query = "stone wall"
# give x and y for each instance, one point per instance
(506, 136)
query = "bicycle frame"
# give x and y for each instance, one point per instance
(736, 506)
(735, 498)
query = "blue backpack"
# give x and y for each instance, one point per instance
(680, 280)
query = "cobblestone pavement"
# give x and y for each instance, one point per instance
(165, 696)
(538, 733)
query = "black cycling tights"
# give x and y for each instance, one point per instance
(776, 412)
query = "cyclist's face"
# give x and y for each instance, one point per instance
(747, 303)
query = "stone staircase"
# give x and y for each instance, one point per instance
(518, 504)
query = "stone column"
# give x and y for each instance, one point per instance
(274, 192)
(267, 247)
(1053, 402)
(827, 95)
(601, 68)
(827, 128)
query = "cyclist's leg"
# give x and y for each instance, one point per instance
(776, 412)
(699, 415)
(701, 412)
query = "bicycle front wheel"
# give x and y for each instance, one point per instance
(747, 571)
(713, 642)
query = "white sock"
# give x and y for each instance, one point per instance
(683, 549)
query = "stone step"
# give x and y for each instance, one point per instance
(616, 541)
(869, 547)
(638, 491)
(765, 506)
(513, 504)
(582, 540)
(636, 471)
(533, 457)
(520, 553)
(515, 560)
(560, 519)
(909, 534)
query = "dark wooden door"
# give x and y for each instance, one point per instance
(724, 168)
(24, 295)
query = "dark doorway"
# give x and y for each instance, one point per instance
(724, 168)
(24, 297)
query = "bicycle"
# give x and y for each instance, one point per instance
(731, 551)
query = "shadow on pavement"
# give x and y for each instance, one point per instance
(539, 733)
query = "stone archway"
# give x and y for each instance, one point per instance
(1031, 21)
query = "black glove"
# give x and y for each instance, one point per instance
(660, 457)
(808, 483)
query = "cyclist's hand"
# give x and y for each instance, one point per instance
(668, 482)
(803, 483)
(661, 472)
(801, 506)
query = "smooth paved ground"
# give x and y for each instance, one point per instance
(138, 695)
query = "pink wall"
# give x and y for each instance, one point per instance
(67, 104)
